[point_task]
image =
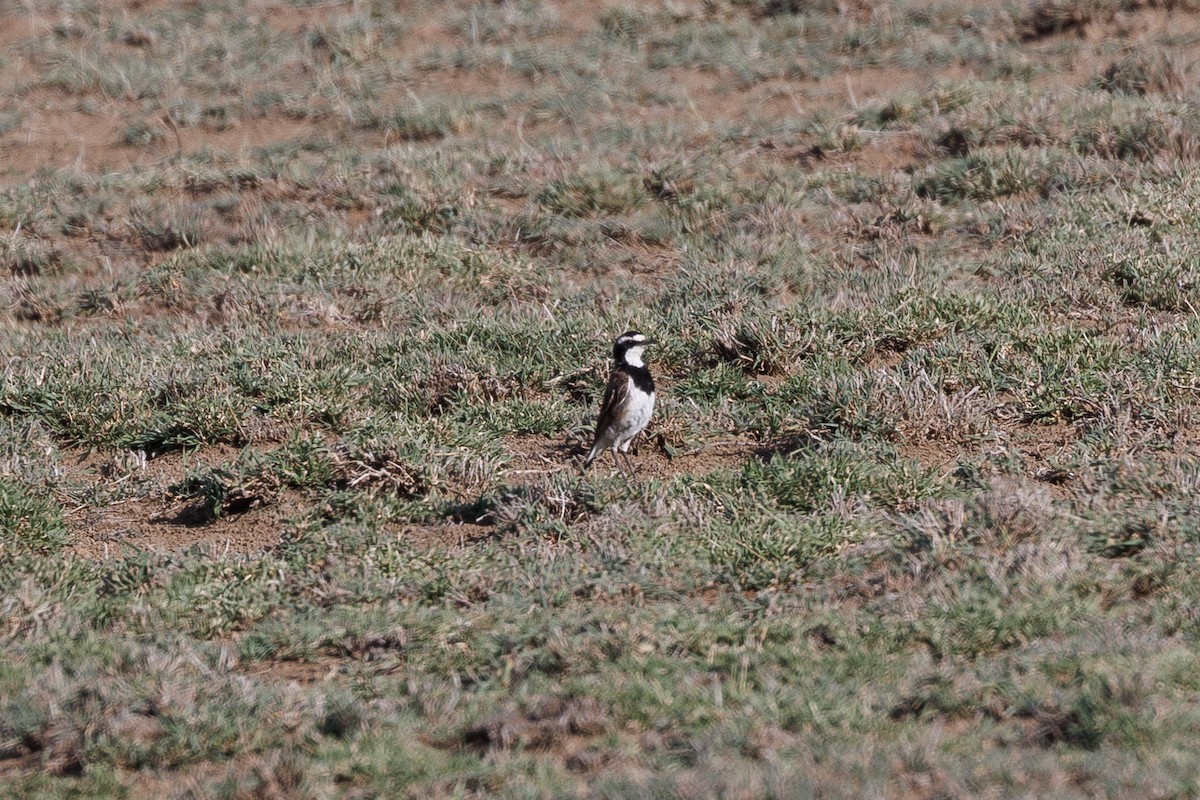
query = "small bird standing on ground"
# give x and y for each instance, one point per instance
(628, 401)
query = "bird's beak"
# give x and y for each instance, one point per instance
(649, 342)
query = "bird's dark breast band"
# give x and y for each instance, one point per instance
(640, 377)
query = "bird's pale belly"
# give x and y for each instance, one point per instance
(640, 409)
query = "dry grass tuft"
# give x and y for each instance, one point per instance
(543, 724)
(1052, 17)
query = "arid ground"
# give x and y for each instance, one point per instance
(306, 312)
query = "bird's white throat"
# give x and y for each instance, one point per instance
(633, 357)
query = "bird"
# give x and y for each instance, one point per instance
(628, 401)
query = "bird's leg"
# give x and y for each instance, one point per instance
(617, 461)
(629, 464)
(627, 470)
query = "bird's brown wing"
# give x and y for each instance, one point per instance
(614, 398)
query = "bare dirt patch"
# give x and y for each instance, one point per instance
(1041, 445)
(153, 520)
(162, 525)
(304, 673)
(56, 133)
(1043, 442)
(699, 459)
(448, 536)
(540, 455)
(552, 724)
(933, 453)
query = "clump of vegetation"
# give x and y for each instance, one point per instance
(1053, 17)
(1141, 74)
(26, 257)
(31, 520)
(979, 176)
(589, 193)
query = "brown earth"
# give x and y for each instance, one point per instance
(156, 524)
(152, 520)
(58, 130)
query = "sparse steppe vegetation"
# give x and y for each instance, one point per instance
(305, 311)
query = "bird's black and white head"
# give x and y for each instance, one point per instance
(629, 347)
